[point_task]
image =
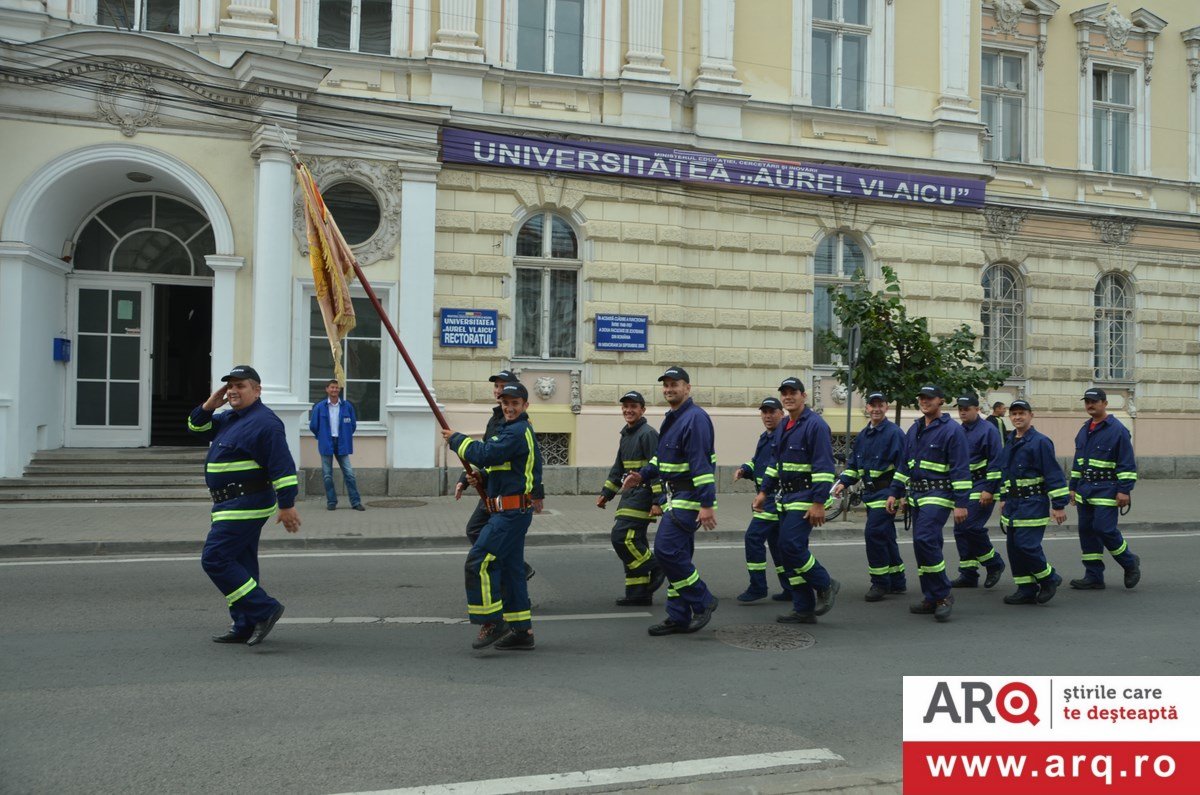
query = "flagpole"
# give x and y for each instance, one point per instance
(387, 323)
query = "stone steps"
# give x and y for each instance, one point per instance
(110, 475)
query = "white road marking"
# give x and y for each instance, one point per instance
(607, 777)
(438, 620)
(383, 553)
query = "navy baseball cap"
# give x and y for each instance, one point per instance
(1093, 394)
(515, 389)
(770, 404)
(507, 376)
(792, 382)
(633, 397)
(242, 372)
(967, 399)
(677, 374)
(1020, 405)
(930, 390)
(871, 398)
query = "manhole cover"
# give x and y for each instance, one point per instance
(765, 637)
(395, 503)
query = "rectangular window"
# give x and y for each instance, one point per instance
(839, 54)
(154, 16)
(362, 357)
(1003, 104)
(355, 25)
(546, 315)
(1112, 119)
(550, 36)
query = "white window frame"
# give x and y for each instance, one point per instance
(837, 281)
(591, 37)
(546, 264)
(1110, 107)
(1139, 133)
(1025, 95)
(1102, 354)
(87, 11)
(1191, 38)
(1016, 307)
(310, 23)
(880, 90)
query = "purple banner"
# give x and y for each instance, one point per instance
(474, 147)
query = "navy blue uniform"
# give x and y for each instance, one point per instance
(638, 444)
(1103, 467)
(686, 463)
(1030, 481)
(247, 446)
(935, 475)
(971, 536)
(495, 568)
(801, 476)
(763, 531)
(878, 453)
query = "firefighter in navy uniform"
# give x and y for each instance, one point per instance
(763, 532)
(801, 478)
(971, 536)
(497, 596)
(637, 509)
(878, 451)
(251, 475)
(1033, 488)
(1103, 473)
(686, 464)
(935, 475)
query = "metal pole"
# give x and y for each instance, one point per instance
(852, 356)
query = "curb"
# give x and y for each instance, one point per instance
(839, 531)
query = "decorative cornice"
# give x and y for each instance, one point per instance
(382, 178)
(127, 99)
(1004, 222)
(1115, 230)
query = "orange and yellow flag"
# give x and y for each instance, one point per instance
(331, 261)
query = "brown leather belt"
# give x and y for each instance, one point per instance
(510, 502)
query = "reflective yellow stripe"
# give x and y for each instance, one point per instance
(505, 467)
(788, 466)
(237, 516)
(1064, 491)
(879, 472)
(968, 564)
(638, 557)
(529, 460)
(812, 561)
(488, 610)
(822, 477)
(633, 513)
(1099, 464)
(1023, 580)
(1127, 476)
(284, 482)
(686, 581)
(897, 569)
(485, 582)
(978, 465)
(878, 570)
(876, 503)
(941, 502)
(934, 569)
(770, 517)
(985, 557)
(934, 467)
(756, 566)
(1029, 481)
(703, 480)
(462, 447)
(1114, 552)
(1044, 573)
(901, 478)
(199, 428)
(1105, 502)
(637, 580)
(522, 615)
(246, 588)
(960, 485)
(608, 484)
(1092, 556)
(1042, 522)
(684, 505)
(772, 472)
(853, 474)
(231, 466)
(672, 593)
(636, 463)
(674, 468)
(795, 506)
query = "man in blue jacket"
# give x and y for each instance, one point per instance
(333, 421)
(1103, 473)
(251, 475)
(935, 478)
(763, 531)
(1033, 488)
(511, 463)
(971, 536)
(878, 450)
(685, 462)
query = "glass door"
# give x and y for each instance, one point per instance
(110, 366)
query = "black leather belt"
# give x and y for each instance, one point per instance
(876, 485)
(922, 486)
(679, 484)
(1035, 490)
(231, 491)
(1098, 475)
(794, 484)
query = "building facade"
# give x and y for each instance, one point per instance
(151, 218)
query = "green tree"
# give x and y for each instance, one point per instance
(897, 355)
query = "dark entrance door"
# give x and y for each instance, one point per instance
(182, 352)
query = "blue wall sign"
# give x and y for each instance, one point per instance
(621, 332)
(469, 328)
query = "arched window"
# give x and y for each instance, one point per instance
(1113, 330)
(146, 234)
(1003, 316)
(547, 289)
(839, 262)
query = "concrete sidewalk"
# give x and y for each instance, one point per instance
(76, 529)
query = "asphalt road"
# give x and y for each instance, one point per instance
(108, 681)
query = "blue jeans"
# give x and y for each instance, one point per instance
(347, 475)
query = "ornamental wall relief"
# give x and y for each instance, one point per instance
(382, 178)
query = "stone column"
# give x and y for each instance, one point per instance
(225, 271)
(250, 18)
(412, 437)
(456, 36)
(956, 121)
(644, 60)
(716, 48)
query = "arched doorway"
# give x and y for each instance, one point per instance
(140, 309)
